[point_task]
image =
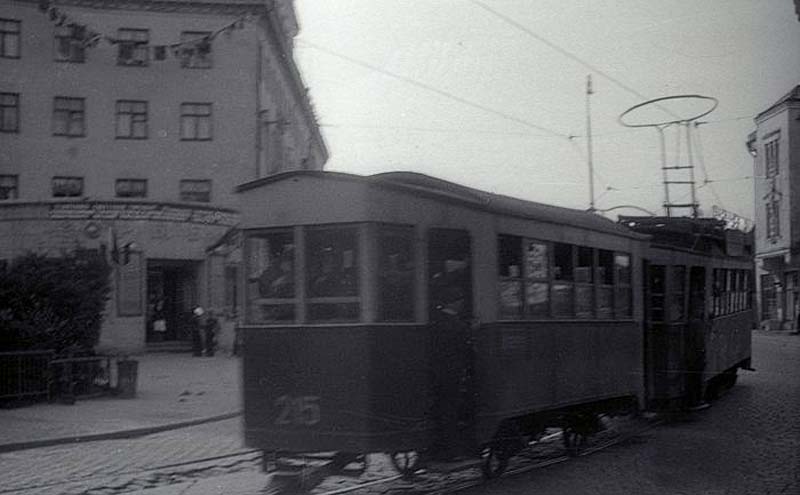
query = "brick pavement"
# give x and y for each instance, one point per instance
(748, 442)
(173, 389)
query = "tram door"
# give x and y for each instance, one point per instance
(694, 342)
(449, 275)
(451, 359)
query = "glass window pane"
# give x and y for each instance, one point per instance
(537, 299)
(562, 260)
(510, 304)
(622, 262)
(584, 301)
(536, 261)
(204, 128)
(605, 267)
(583, 272)
(562, 300)
(271, 262)
(605, 302)
(396, 269)
(123, 125)
(332, 262)
(509, 255)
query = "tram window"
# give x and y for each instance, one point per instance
(717, 291)
(537, 268)
(562, 290)
(749, 290)
(605, 267)
(271, 277)
(583, 272)
(678, 292)
(396, 274)
(509, 270)
(509, 256)
(562, 261)
(332, 273)
(605, 279)
(562, 300)
(623, 290)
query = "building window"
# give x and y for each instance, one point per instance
(196, 121)
(769, 298)
(771, 158)
(9, 187)
(131, 119)
(67, 187)
(9, 112)
(195, 51)
(131, 188)
(196, 190)
(9, 38)
(69, 46)
(132, 47)
(773, 220)
(69, 116)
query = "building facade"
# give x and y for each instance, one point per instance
(126, 126)
(775, 146)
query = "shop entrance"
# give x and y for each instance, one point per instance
(171, 296)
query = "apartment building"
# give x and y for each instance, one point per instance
(126, 126)
(775, 146)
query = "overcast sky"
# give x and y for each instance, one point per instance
(487, 92)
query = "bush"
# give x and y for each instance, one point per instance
(53, 303)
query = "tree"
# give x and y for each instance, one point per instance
(53, 302)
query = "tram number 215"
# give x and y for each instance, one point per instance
(302, 410)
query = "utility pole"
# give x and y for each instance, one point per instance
(589, 93)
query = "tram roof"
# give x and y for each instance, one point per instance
(442, 190)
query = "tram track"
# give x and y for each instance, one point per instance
(523, 463)
(151, 476)
(548, 452)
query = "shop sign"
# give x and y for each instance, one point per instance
(139, 211)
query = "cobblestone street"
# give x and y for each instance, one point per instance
(747, 443)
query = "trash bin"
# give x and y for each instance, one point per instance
(127, 371)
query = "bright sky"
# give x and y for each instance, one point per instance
(487, 92)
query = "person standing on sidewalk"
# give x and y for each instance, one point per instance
(198, 331)
(210, 330)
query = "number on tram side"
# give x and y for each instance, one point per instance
(303, 410)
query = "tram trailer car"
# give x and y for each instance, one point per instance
(698, 307)
(405, 314)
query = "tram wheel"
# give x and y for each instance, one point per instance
(405, 462)
(573, 440)
(494, 462)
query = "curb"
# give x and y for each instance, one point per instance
(114, 435)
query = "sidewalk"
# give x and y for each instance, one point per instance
(173, 390)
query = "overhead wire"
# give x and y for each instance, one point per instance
(435, 90)
(564, 52)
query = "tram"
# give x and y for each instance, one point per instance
(406, 314)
